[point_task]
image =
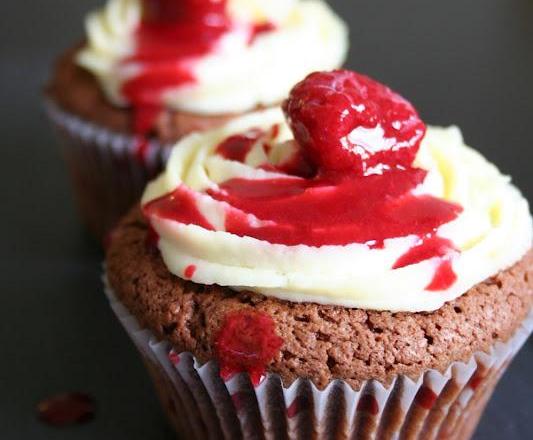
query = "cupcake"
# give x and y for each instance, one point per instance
(152, 71)
(335, 270)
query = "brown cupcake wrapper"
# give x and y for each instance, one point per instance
(201, 405)
(107, 169)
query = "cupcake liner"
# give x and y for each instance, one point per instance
(109, 170)
(200, 404)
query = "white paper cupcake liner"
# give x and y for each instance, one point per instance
(106, 168)
(201, 405)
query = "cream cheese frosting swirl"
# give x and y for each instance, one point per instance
(244, 69)
(493, 230)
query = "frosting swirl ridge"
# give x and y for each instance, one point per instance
(233, 229)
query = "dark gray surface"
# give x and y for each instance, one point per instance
(464, 62)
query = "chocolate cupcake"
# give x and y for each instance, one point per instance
(340, 271)
(152, 71)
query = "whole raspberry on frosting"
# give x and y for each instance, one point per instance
(349, 123)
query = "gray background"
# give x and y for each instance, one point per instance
(464, 62)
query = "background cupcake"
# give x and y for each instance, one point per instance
(144, 78)
(346, 279)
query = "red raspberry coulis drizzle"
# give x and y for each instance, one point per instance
(238, 146)
(430, 247)
(340, 203)
(246, 342)
(171, 37)
(179, 204)
(189, 271)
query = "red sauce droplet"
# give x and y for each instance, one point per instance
(239, 400)
(301, 403)
(368, 403)
(426, 397)
(247, 342)
(189, 271)
(444, 276)
(476, 380)
(238, 146)
(141, 148)
(260, 29)
(174, 358)
(429, 247)
(66, 409)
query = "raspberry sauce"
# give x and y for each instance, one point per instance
(246, 342)
(172, 36)
(189, 271)
(335, 202)
(315, 213)
(238, 146)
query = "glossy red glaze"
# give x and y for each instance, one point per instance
(174, 357)
(428, 247)
(426, 397)
(321, 212)
(246, 342)
(238, 146)
(444, 276)
(239, 400)
(368, 403)
(326, 107)
(66, 409)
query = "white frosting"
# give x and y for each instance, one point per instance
(493, 231)
(238, 76)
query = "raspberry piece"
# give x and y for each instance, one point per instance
(349, 123)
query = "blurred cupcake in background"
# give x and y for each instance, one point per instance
(152, 71)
